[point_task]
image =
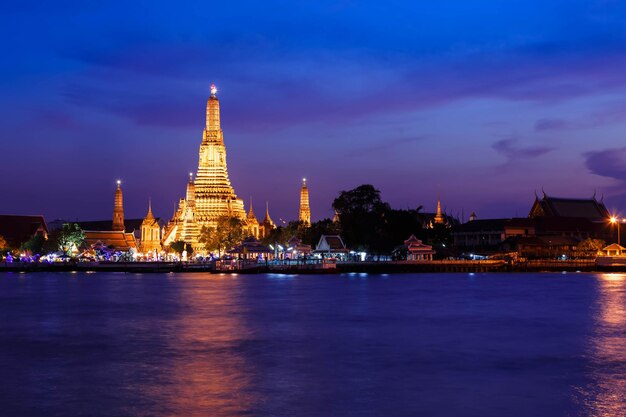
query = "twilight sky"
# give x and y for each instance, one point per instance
(482, 102)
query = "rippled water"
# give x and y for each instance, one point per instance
(353, 345)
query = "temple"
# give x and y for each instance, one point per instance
(305, 210)
(210, 195)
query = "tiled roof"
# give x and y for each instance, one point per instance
(573, 207)
(118, 239)
(19, 229)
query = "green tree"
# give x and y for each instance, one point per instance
(227, 233)
(70, 237)
(34, 245)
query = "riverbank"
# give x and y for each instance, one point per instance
(344, 267)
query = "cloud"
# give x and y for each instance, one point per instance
(610, 163)
(510, 149)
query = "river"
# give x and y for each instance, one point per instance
(115, 344)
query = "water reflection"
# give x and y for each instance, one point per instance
(607, 394)
(208, 370)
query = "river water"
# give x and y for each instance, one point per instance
(114, 344)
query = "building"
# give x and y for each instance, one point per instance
(304, 215)
(252, 248)
(150, 233)
(418, 251)
(554, 227)
(17, 230)
(331, 246)
(210, 195)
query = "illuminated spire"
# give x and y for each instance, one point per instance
(118, 208)
(149, 216)
(191, 190)
(213, 111)
(439, 215)
(305, 209)
(268, 219)
(251, 215)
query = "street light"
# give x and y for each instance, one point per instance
(615, 220)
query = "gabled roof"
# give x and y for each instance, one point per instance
(588, 208)
(614, 246)
(118, 239)
(17, 229)
(332, 243)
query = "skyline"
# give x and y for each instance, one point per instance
(479, 103)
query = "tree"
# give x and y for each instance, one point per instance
(178, 246)
(70, 237)
(362, 217)
(34, 245)
(590, 247)
(189, 249)
(3, 242)
(227, 233)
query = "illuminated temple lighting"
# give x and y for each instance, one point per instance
(210, 196)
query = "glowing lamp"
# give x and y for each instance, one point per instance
(213, 89)
(613, 220)
(119, 182)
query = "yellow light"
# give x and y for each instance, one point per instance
(613, 220)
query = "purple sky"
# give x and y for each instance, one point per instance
(482, 103)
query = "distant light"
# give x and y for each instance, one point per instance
(303, 179)
(213, 89)
(119, 182)
(613, 219)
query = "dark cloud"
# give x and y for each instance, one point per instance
(610, 163)
(510, 149)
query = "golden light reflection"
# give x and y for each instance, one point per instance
(606, 397)
(209, 374)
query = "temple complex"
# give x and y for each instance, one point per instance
(210, 196)
(305, 209)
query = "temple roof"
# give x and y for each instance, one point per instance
(119, 240)
(590, 208)
(19, 229)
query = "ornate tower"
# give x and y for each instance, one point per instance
(150, 232)
(118, 208)
(190, 228)
(438, 216)
(305, 210)
(253, 223)
(214, 196)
